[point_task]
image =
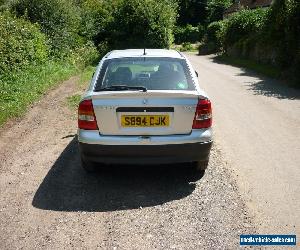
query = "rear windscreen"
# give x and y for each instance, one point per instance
(152, 73)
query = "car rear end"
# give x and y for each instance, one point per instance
(134, 114)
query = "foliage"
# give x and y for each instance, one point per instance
(45, 41)
(286, 31)
(282, 31)
(84, 78)
(32, 45)
(137, 24)
(84, 55)
(242, 24)
(59, 20)
(3, 5)
(187, 33)
(21, 44)
(20, 89)
(267, 35)
(201, 30)
(214, 37)
(73, 101)
(292, 37)
(215, 9)
(212, 32)
(188, 47)
(103, 48)
(117, 24)
(191, 12)
(95, 18)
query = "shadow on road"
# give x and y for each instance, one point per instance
(264, 85)
(271, 88)
(68, 188)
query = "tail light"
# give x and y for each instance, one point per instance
(203, 115)
(86, 116)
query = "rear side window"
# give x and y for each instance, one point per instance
(153, 73)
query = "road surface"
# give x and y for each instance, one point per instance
(257, 123)
(48, 202)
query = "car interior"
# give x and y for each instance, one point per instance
(162, 76)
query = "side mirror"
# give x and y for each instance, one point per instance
(196, 73)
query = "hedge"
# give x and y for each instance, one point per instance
(59, 20)
(138, 24)
(213, 40)
(188, 33)
(243, 24)
(21, 44)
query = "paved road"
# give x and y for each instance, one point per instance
(257, 123)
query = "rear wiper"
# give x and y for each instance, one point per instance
(122, 87)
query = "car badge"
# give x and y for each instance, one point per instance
(145, 101)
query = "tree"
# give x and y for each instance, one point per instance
(192, 12)
(59, 20)
(21, 44)
(138, 24)
(216, 8)
(96, 16)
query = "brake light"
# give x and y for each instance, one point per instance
(203, 114)
(86, 116)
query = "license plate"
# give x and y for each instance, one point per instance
(144, 120)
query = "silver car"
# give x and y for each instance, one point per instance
(144, 106)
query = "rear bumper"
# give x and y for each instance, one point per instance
(146, 154)
(94, 137)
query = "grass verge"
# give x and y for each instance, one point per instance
(86, 76)
(264, 69)
(20, 89)
(73, 101)
(84, 79)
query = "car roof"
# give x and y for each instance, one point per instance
(140, 53)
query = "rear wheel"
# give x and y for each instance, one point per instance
(88, 166)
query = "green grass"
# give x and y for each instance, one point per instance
(86, 76)
(20, 89)
(73, 101)
(264, 69)
(84, 79)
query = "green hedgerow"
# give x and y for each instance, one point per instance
(138, 24)
(188, 33)
(21, 43)
(58, 19)
(242, 24)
